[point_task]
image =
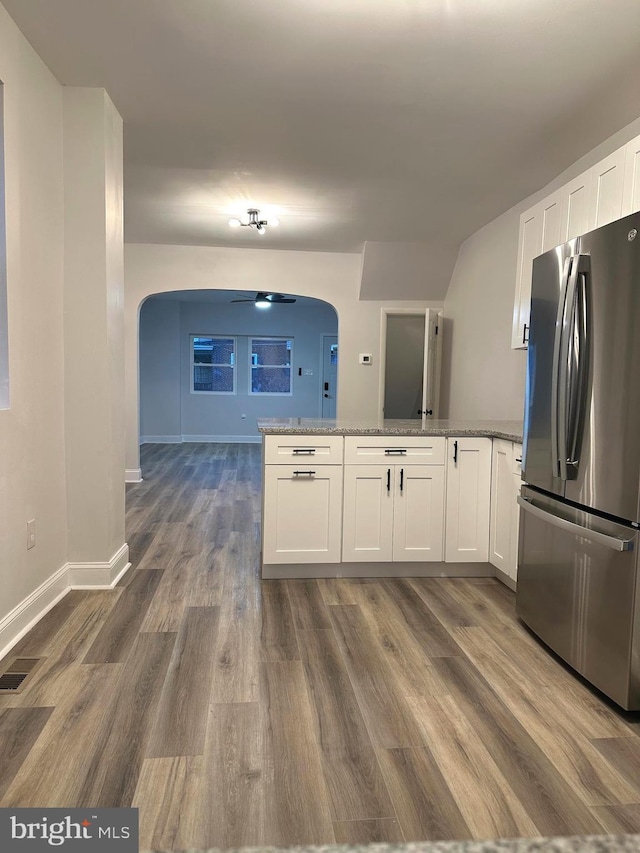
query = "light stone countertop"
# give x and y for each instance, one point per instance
(509, 430)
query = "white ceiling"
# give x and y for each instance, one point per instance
(352, 120)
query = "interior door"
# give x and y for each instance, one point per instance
(329, 375)
(411, 366)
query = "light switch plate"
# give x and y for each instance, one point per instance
(365, 358)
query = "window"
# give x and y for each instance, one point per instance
(213, 365)
(270, 360)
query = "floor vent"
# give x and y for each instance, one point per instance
(14, 677)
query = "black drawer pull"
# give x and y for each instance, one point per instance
(298, 450)
(304, 472)
(390, 451)
(388, 479)
(401, 479)
(455, 452)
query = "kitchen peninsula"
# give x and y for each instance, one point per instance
(390, 499)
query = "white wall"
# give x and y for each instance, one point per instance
(482, 376)
(94, 330)
(334, 278)
(32, 447)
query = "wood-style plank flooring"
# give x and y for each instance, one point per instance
(233, 711)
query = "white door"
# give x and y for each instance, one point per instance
(552, 221)
(418, 513)
(329, 375)
(503, 506)
(368, 513)
(468, 500)
(515, 525)
(431, 362)
(302, 513)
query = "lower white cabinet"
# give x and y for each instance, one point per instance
(468, 500)
(505, 488)
(302, 518)
(393, 513)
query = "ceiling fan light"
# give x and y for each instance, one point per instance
(261, 229)
(235, 223)
(263, 302)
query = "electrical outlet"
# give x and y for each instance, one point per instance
(243, 417)
(31, 534)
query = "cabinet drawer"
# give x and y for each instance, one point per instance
(383, 449)
(287, 449)
(517, 459)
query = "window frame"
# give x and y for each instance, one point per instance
(252, 366)
(193, 364)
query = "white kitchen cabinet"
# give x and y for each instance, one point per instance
(529, 246)
(607, 182)
(505, 488)
(576, 207)
(302, 515)
(631, 189)
(393, 513)
(468, 500)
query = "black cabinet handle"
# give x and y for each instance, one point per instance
(525, 336)
(308, 450)
(455, 452)
(304, 472)
(388, 479)
(518, 458)
(391, 451)
(425, 411)
(401, 479)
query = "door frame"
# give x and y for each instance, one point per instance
(385, 312)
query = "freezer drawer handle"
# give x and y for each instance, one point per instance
(570, 527)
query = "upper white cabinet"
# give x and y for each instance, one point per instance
(602, 194)
(607, 180)
(631, 192)
(529, 246)
(468, 500)
(576, 207)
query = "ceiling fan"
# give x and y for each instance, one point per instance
(265, 300)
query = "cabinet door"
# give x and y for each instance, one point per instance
(515, 526)
(576, 207)
(468, 500)
(529, 247)
(551, 221)
(631, 189)
(606, 189)
(418, 513)
(368, 513)
(302, 519)
(502, 506)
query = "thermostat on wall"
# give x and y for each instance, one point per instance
(365, 358)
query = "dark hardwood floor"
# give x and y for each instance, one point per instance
(234, 711)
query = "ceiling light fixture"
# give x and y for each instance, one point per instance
(252, 220)
(262, 301)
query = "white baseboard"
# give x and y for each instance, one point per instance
(377, 570)
(31, 610)
(99, 575)
(133, 475)
(224, 439)
(160, 439)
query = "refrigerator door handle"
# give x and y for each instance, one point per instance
(559, 381)
(577, 358)
(612, 542)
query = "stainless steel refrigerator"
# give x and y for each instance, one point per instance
(580, 505)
